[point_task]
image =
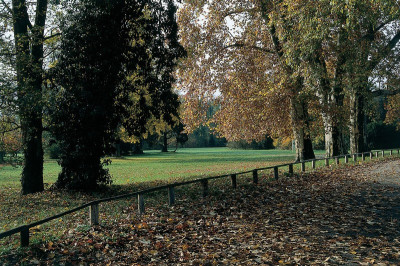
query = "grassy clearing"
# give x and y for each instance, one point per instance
(154, 165)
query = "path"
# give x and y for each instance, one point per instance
(345, 216)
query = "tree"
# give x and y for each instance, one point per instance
(113, 72)
(21, 60)
(29, 41)
(342, 44)
(176, 132)
(237, 59)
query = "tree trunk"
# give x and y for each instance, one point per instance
(301, 131)
(2, 153)
(118, 149)
(29, 66)
(357, 126)
(32, 173)
(331, 101)
(165, 142)
(334, 145)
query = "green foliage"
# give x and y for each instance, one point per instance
(115, 68)
(87, 77)
(382, 136)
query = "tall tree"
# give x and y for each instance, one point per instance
(22, 51)
(237, 57)
(343, 43)
(114, 70)
(29, 41)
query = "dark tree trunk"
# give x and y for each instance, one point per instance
(118, 149)
(2, 153)
(301, 131)
(165, 142)
(29, 63)
(32, 173)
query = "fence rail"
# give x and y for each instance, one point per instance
(94, 205)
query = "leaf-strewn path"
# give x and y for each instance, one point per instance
(348, 215)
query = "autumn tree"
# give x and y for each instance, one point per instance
(310, 50)
(342, 45)
(236, 58)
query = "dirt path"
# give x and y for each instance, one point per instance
(387, 173)
(339, 216)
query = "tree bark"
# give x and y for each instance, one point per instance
(29, 66)
(357, 123)
(301, 130)
(330, 94)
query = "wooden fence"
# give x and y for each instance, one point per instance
(94, 205)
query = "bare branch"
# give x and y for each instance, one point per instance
(52, 36)
(385, 51)
(7, 7)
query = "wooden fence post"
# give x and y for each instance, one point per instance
(25, 237)
(398, 151)
(141, 203)
(255, 176)
(346, 159)
(376, 154)
(171, 196)
(313, 164)
(303, 166)
(291, 169)
(94, 214)
(204, 183)
(370, 155)
(337, 160)
(276, 174)
(233, 181)
(391, 152)
(354, 157)
(383, 153)
(363, 156)
(326, 161)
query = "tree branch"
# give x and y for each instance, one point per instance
(235, 12)
(370, 34)
(7, 7)
(9, 130)
(254, 47)
(385, 51)
(52, 36)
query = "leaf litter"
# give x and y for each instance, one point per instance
(346, 215)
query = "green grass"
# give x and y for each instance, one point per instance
(154, 165)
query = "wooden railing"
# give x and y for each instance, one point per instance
(94, 205)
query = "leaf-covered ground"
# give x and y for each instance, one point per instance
(348, 215)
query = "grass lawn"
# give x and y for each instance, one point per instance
(154, 165)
